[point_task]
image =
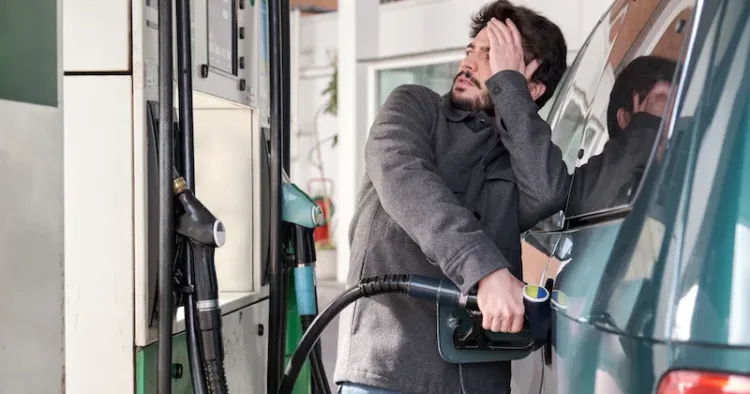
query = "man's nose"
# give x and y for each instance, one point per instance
(469, 64)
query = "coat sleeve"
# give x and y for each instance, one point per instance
(399, 161)
(541, 175)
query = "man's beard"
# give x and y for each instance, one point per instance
(483, 103)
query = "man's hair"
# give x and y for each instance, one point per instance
(639, 76)
(542, 40)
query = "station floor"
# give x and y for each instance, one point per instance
(327, 291)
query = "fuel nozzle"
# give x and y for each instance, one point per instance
(196, 221)
(298, 208)
(206, 233)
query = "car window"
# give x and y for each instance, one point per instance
(621, 124)
(565, 114)
(621, 257)
(566, 117)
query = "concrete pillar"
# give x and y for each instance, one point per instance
(358, 31)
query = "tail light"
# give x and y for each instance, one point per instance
(696, 382)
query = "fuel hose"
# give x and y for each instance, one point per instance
(307, 302)
(442, 291)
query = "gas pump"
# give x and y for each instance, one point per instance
(159, 270)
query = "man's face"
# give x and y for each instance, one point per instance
(655, 103)
(468, 91)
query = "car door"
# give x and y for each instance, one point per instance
(607, 248)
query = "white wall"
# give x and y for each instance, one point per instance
(408, 29)
(32, 266)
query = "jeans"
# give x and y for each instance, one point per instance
(353, 388)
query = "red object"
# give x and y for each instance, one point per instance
(698, 382)
(322, 234)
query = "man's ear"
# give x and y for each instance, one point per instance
(536, 89)
(623, 118)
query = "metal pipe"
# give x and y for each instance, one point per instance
(166, 205)
(278, 282)
(185, 90)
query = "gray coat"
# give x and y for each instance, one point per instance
(446, 193)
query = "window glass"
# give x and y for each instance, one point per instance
(621, 125)
(616, 279)
(438, 77)
(29, 50)
(566, 118)
(569, 117)
(604, 50)
(691, 287)
(565, 114)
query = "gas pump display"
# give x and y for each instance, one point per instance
(222, 40)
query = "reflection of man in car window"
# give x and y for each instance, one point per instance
(636, 104)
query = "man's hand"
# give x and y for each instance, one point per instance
(506, 49)
(655, 102)
(500, 299)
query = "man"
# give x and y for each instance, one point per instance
(450, 184)
(637, 103)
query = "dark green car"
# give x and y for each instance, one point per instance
(653, 285)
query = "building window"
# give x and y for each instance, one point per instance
(438, 77)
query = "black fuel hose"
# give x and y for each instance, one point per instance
(166, 202)
(185, 101)
(319, 378)
(418, 286)
(209, 319)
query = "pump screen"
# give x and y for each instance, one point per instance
(222, 43)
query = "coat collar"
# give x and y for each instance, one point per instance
(452, 113)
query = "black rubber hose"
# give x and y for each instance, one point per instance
(311, 336)
(444, 292)
(284, 24)
(319, 378)
(209, 318)
(217, 380)
(194, 340)
(278, 279)
(166, 203)
(318, 371)
(366, 288)
(185, 90)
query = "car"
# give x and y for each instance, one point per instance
(652, 288)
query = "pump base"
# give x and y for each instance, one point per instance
(245, 333)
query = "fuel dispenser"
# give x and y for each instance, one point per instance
(164, 116)
(157, 181)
